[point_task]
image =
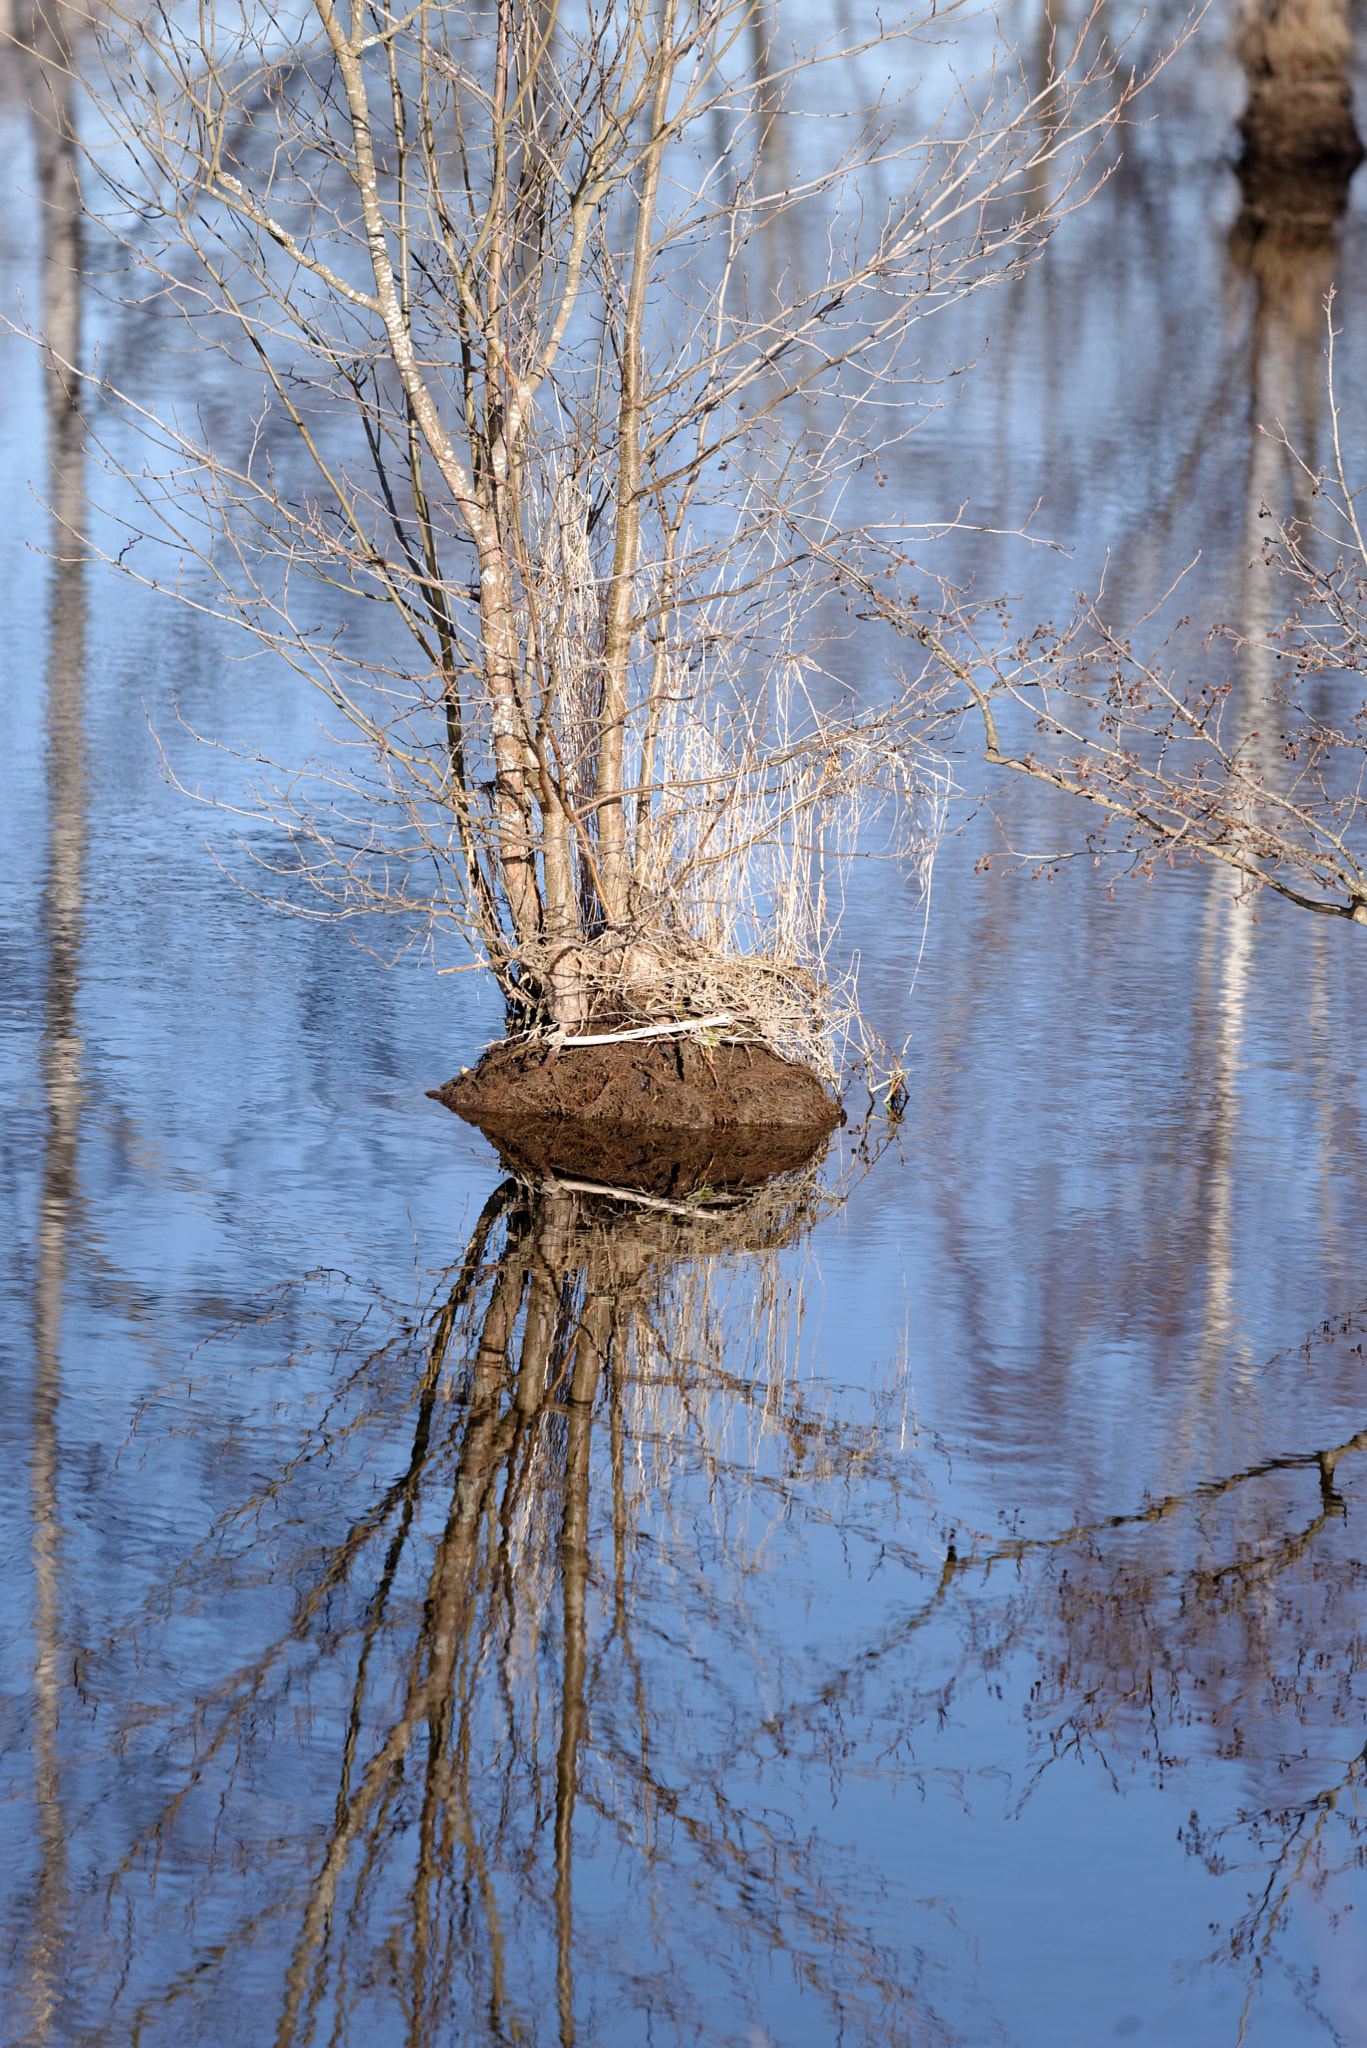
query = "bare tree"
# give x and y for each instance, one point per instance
(571, 326)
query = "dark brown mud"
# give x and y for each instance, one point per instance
(664, 1116)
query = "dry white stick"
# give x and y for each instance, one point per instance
(653, 1030)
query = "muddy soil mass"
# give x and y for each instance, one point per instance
(665, 1111)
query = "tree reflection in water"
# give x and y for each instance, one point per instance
(526, 1640)
(530, 1747)
(39, 58)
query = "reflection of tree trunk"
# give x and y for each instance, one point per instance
(1301, 147)
(1300, 150)
(432, 1686)
(520, 1351)
(52, 97)
(410, 1489)
(499, 1409)
(594, 1337)
(452, 1607)
(1226, 949)
(63, 906)
(501, 1406)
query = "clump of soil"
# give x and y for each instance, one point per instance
(613, 1103)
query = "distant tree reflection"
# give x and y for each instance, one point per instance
(41, 55)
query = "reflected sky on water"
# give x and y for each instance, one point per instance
(435, 1613)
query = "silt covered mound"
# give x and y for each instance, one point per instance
(652, 1085)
